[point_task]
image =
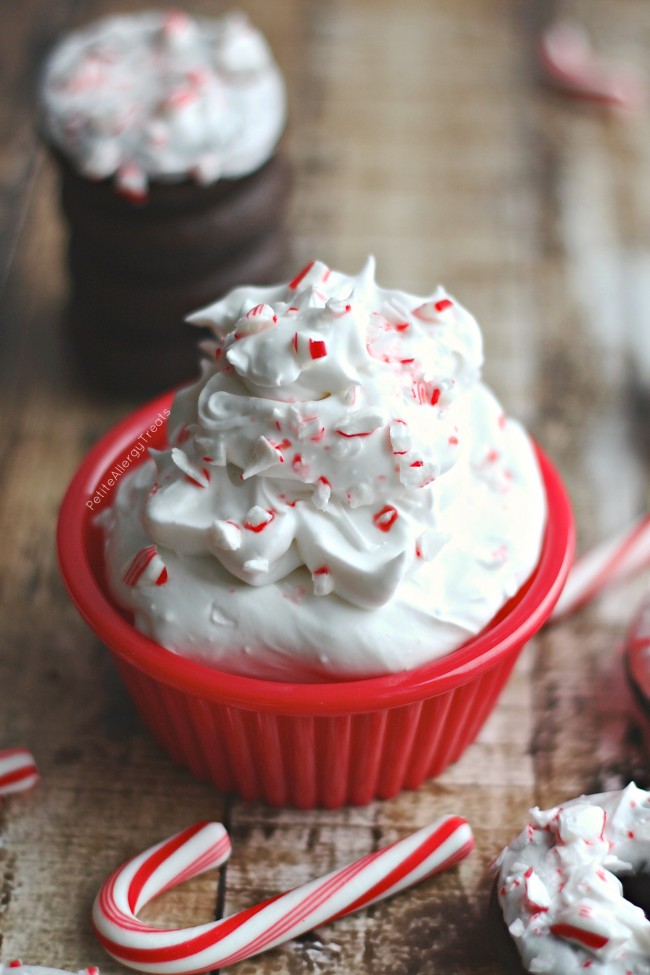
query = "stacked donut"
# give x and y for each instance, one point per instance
(164, 131)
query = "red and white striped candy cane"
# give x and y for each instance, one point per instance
(569, 63)
(607, 563)
(18, 771)
(272, 921)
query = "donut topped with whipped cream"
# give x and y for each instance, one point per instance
(341, 495)
(163, 96)
(560, 891)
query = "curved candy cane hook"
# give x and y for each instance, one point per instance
(272, 921)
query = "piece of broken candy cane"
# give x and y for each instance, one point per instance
(591, 927)
(132, 183)
(206, 845)
(569, 63)
(146, 568)
(611, 561)
(18, 771)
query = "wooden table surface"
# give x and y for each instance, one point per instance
(419, 132)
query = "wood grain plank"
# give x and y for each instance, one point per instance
(419, 134)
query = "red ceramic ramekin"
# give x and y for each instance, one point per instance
(305, 745)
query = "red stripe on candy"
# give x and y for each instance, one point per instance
(301, 275)
(587, 938)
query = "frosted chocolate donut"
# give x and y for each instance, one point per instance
(165, 130)
(563, 886)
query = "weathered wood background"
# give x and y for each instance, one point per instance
(419, 132)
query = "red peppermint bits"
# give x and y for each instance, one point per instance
(317, 348)
(345, 433)
(301, 274)
(426, 393)
(590, 939)
(261, 311)
(386, 518)
(146, 558)
(282, 445)
(196, 481)
(443, 304)
(197, 77)
(132, 182)
(259, 520)
(180, 98)
(299, 466)
(139, 564)
(175, 22)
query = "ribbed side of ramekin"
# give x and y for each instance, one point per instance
(315, 761)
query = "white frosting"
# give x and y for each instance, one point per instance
(341, 494)
(160, 95)
(559, 890)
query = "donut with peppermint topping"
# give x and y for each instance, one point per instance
(164, 130)
(572, 886)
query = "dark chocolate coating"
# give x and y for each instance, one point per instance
(145, 346)
(153, 241)
(137, 269)
(135, 305)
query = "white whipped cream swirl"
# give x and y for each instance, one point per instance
(162, 96)
(340, 494)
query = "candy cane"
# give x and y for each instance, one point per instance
(607, 563)
(272, 921)
(569, 63)
(18, 771)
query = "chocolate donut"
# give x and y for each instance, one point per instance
(189, 236)
(164, 131)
